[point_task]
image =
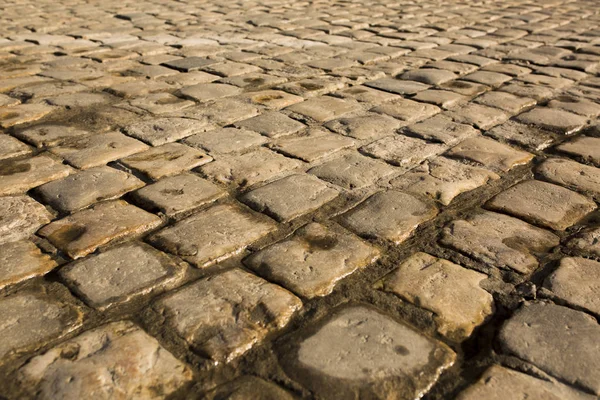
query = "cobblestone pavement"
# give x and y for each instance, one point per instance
(299, 200)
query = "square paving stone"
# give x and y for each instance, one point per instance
(407, 110)
(94, 150)
(443, 179)
(49, 135)
(493, 79)
(560, 341)
(221, 112)
(366, 94)
(499, 240)
(250, 168)
(397, 86)
(85, 188)
(352, 171)
(273, 99)
(368, 127)
(571, 174)
(18, 176)
(189, 64)
(165, 130)
(403, 151)
(208, 91)
(543, 203)
(523, 134)
(536, 92)
(506, 102)
(120, 274)
(248, 387)
(161, 103)
(469, 89)
(499, 383)
(576, 105)
(271, 124)
(389, 215)
(554, 120)
(490, 154)
(584, 148)
(31, 319)
(290, 197)
(429, 76)
(441, 128)
(21, 217)
(441, 98)
(22, 113)
(312, 147)
(83, 232)
(228, 68)
(165, 160)
(257, 81)
(213, 235)
(312, 262)
(225, 315)
(22, 260)
(312, 87)
(480, 116)
(126, 360)
(323, 109)
(360, 352)
(225, 140)
(448, 290)
(179, 194)
(11, 147)
(575, 283)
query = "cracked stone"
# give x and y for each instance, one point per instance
(225, 315)
(22, 260)
(21, 217)
(490, 154)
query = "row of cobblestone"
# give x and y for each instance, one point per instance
(318, 199)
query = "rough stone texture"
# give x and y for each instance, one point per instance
(290, 197)
(45, 319)
(352, 171)
(49, 135)
(558, 340)
(390, 215)
(21, 217)
(315, 145)
(588, 242)
(490, 154)
(119, 274)
(576, 282)
(583, 147)
(441, 129)
(212, 235)
(18, 176)
(506, 102)
(165, 160)
(402, 151)
(313, 260)
(407, 111)
(499, 240)
(443, 179)
(128, 362)
(249, 168)
(571, 174)
(360, 350)
(22, 260)
(165, 130)
(224, 316)
(249, 387)
(11, 147)
(370, 126)
(554, 120)
(543, 204)
(225, 140)
(178, 194)
(85, 188)
(271, 124)
(323, 109)
(480, 116)
(83, 232)
(499, 383)
(22, 113)
(448, 290)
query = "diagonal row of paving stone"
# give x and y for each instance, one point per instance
(279, 200)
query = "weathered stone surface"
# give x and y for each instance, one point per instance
(575, 105)
(49, 135)
(402, 151)
(407, 111)
(370, 126)
(430, 76)
(120, 274)
(250, 168)
(554, 120)
(22, 113)
(576, 282)
(315, 145)
(83, 232)
(273, 99)
(352, 171)
(583, 147)
(543, 204)
(480, 116)
(225, 315)
(85, 188)
(313, 260)
(490, 154)
(22, 260)
(11, 147)
(179, 194)
(208, 91)
(249, 387)
(588, 242)
(571, 174)
(499, 240)
(128, 362)
(499, 383)
(21, 217)
(390, 215)
(506, 102)
(290, 197)
(31, 319)
(323, 109)
(225, 140)
(398, 86)
(271, 124)
(558, 340)
(213, 234)
(528, 136)
(443, 179)
(441, 98)
(165, 160)
(165, 130)
(362, 353)
(441, 128)
(94, 150)
(365, 94)
(493, 79)
(18, 176)
(448, 290)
